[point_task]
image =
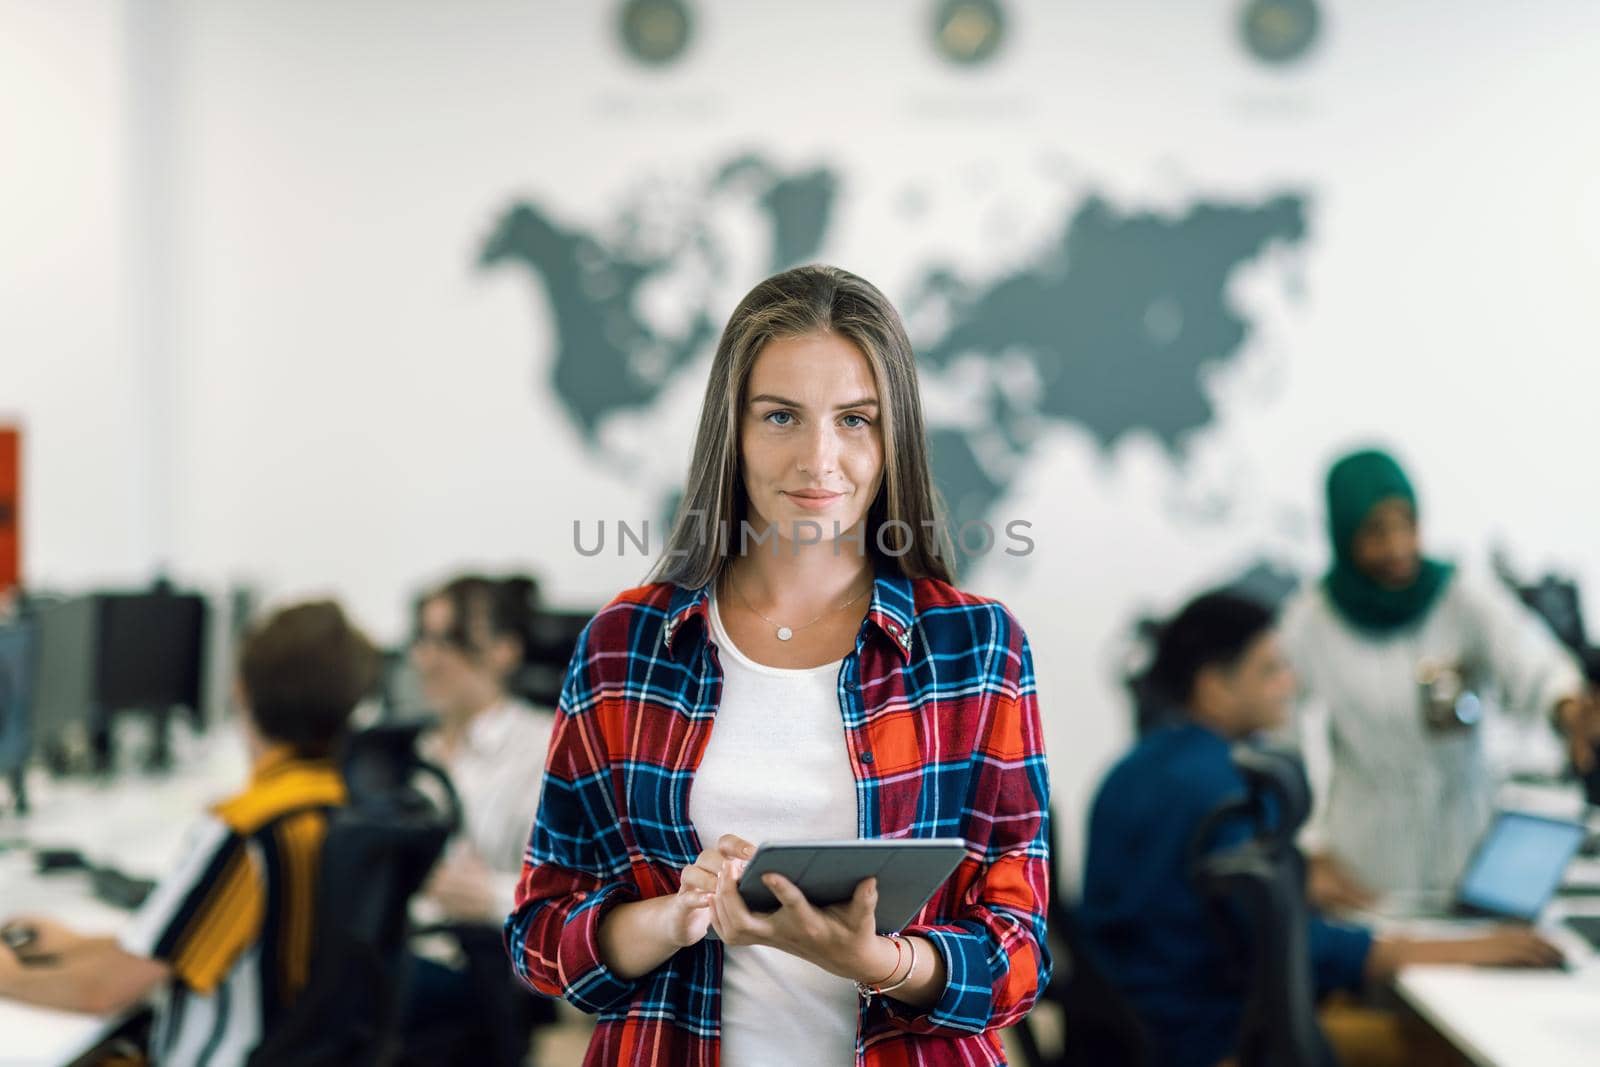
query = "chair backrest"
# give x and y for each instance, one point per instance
(1260, 883)
(376, 855)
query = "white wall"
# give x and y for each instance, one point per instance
(359, 407)
(66, 370)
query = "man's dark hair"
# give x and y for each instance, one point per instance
(303, 670)
(1212, 630)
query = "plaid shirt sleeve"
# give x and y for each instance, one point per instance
(576, 867)
(995, 954)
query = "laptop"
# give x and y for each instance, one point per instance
(1512, 875)
(1518, 866)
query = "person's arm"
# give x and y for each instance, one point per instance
(572, 899)
(1505, 946)
(640, 936)
(1535, 674)
(993, 955)
(575, 875)
(71, 972)
(205, 913)
(842, 939)
(620, 938)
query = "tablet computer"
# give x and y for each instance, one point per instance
(909, 871)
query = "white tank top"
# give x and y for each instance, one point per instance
(776, 769)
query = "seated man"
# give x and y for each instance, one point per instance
(1220, 662)
(229, 931)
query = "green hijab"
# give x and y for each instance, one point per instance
(1357, 484)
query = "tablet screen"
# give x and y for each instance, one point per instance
(909, 871)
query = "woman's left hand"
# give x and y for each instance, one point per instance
(841, 938)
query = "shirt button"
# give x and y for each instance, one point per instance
(866, 757)
(851, 684)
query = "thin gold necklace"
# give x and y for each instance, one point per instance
(786, 632)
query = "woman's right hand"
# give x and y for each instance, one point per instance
(689, 914)
(637, 937)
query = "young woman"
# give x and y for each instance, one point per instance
(1382, 644)
(801, 667)
(471, 637)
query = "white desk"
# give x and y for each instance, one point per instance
(1510, 1018)
(135, 825)
(1513, 1018)
(39, 1036)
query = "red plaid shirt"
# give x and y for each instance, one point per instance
(943, 736)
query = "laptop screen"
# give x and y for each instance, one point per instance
(1519, 865)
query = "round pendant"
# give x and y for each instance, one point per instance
(784, 633)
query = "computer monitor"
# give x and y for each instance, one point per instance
(63, 691)
(149, 659)
(151, 652)
(16, 705)
(109, 654)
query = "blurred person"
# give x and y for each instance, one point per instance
(1223, 666)
(829, 683)
(1393, 650)
(471, 638)
(229, 933)
(470, 641)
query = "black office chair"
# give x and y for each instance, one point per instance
(499, 1030)
(377, 853)
(1259, 885)
(1099, 1026)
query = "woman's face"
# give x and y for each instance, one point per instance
(1386, 547)
(455, 681)
(810, 441)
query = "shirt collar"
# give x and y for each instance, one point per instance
(892, 611)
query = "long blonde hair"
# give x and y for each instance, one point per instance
(798, 302)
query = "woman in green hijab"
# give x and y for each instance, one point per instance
(1396, 653)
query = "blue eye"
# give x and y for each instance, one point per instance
(771, 415)
(861, 422)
